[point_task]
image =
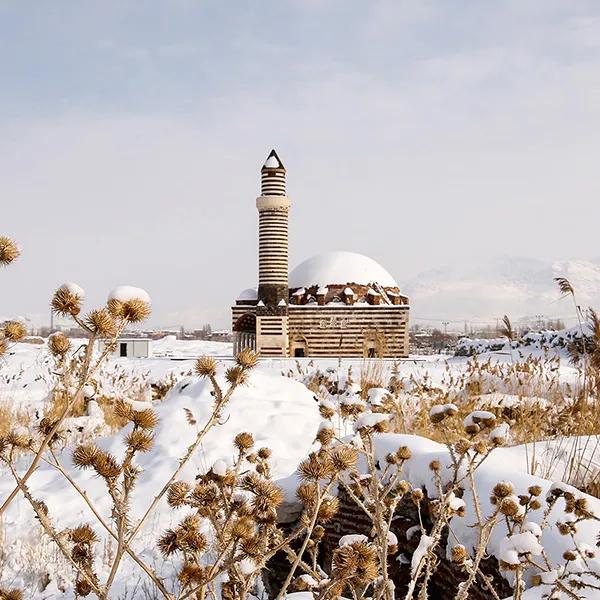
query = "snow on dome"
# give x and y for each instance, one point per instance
(125, 293)
(339, 268)
(248, 294)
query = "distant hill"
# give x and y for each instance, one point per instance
(519, 287)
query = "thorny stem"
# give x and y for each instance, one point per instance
(321, 494)
(151, 574)
(47, 526)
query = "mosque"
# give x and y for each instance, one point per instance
(337, 304)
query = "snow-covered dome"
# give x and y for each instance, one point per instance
(339, 268)
(249, 294)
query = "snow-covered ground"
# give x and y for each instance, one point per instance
(278, 410)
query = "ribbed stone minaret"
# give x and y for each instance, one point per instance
(273, 206)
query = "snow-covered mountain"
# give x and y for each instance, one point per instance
(519, 287)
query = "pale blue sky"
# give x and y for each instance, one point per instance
(420, 133)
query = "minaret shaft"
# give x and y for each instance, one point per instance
(273, 292)
(273, 207)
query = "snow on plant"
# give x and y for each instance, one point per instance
(75, 372)
(121, 475)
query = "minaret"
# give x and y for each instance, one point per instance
(273, 294)
(273, 206)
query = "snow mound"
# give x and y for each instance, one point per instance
(267, 406)
(339, 268)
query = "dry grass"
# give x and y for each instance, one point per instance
(9, 418)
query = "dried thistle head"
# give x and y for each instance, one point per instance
(236, 375)
(267, 495)
(264, 453)
(83, 534)
(191, 574)
(503, 489)
(328, 509)
(84, 456)
(123, 410)
(58, 344)
(18, 439)
(106, 466)
(243, 441)
(307, 493)
(206, 366)
(404, 453)
(67, 299)
(140, 440)
(509, 507)
(177, 493)
(102, 322)
(14, 331)
(344, 457)
(247, 358)
(133, 311)
(168, 543)
(9, 251)
(3, 347)
(356, 562)
(244, 528)
(316, 467)
(83, 587)
(459, 554)
(146, 419)
(12, 594)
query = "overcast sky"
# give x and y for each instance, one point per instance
(420, 133)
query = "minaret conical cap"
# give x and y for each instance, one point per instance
(273, 161)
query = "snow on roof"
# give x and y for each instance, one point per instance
(322, 291)
(248, 294)
(339, 268)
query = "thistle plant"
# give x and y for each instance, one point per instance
(12, 331)
(107, 322)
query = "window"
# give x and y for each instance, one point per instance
(123, 349)
(298, 352)
(371, 352)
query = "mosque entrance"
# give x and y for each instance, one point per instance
(244, 333)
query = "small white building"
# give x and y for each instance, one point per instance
(128, 347)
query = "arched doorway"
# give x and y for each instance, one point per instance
(298, 346)
(244, 333)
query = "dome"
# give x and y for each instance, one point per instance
(249, 294)
(339, 268)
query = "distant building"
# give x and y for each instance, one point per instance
(128, 347)
(335, 304)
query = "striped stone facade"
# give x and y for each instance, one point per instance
(356, 331)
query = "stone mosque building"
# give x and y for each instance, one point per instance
(337, 304)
